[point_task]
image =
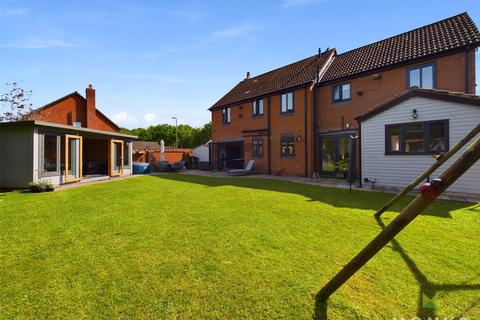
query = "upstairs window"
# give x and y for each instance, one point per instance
(417, 137)
(257, 107)
(287, 102)
(422, 76)
(341, 93)
(287, 147)
(226, 116)
(257, 148)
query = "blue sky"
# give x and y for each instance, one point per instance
(151, 60)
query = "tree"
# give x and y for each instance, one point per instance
(188, 137)
(15, 102)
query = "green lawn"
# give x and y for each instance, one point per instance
(178, 246)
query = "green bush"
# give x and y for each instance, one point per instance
(40, 186)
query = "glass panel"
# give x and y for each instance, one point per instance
(427, 77)
(228, 115)
(254, 107)
(346, 91)
(343, 153)
(328, 154)
(73, 145)
(260, 106)
(50, 153)
(288, 146)
(336, 93)
(284, 102)
(414, 138)
(393, 139)
(290, 101)
(117, 157)
(437, 137)
(414, 76)
(126, 155)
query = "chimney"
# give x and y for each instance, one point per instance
(247, 76)
(90, 115)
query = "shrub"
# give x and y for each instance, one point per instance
(40, 186)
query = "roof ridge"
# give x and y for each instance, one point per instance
(287, 65)
(465, 13)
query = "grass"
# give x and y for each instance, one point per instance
(178, 246)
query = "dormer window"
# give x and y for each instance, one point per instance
(257, 107)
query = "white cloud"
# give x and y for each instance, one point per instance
(294, 3)
(124, 119)
(13, 12)
(232, 33)
(150, 117)
(40, 44)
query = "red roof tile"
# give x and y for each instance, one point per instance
(452, 33)
(295, 74)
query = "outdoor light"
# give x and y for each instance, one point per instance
(414, 114)
(347, 125)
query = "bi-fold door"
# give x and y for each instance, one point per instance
(73, 158)
(116, 158)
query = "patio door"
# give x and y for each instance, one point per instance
(335, 155)
(116, 158)
(73, 158)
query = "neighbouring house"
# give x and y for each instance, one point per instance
(401, 136)
(202, 154)
(300, 119)
(148, 151)
(67, 140)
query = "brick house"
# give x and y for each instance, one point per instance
(300, 119)
(67, 140)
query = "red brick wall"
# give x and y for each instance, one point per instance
(170, 156)
(450, 70)
(70, 110)
(289, 123)
(450, 76)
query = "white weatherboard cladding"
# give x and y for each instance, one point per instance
(399, 170)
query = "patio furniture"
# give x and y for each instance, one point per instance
(242, 172)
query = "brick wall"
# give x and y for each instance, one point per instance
(366, 92)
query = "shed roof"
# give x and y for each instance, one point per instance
(457, 97)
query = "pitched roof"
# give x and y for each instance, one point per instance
(448, 34)
(32, 115)
(145, 146)
(425, 93)
(289, 76)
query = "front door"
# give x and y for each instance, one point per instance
(73, 158)
(116, 158)
(335, 155)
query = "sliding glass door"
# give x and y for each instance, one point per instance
(335, 155)
(73, 158)
(116, 157)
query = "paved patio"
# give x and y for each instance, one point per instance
(334, 183)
